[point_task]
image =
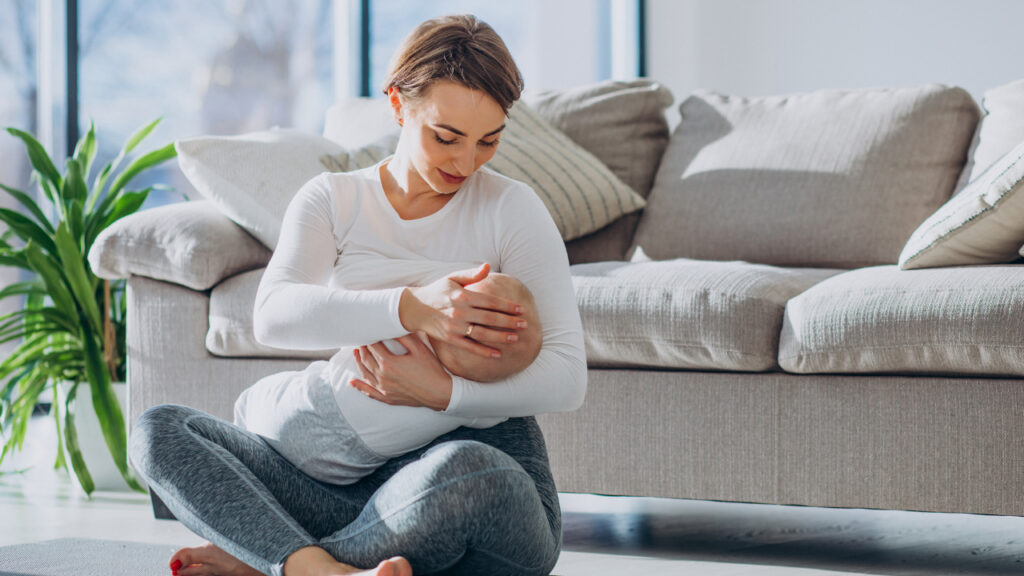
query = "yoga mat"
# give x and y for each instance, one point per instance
(85, 557)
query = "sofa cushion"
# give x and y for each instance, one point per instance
(686, 313)
(623, 124)
(829, 178)
(963, 320)
(1001, 128)
(983, 224)
(230, 332)
(187, 243)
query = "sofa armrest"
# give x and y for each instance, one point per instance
(188, 243)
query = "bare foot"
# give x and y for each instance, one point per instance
(209, 560)
(314, 561)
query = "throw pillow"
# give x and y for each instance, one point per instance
(1000, 129)
(251, 178)
(187, 243)
(579, 191)
(828, 179)
(983, 224)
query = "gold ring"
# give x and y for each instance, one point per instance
(469, 330)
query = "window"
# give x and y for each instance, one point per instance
(206, 67)
(555, 44)
(18, 102)
(232, 66)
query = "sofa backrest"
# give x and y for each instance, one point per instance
(828, 179)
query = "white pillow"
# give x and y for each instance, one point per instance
(983, 224)
(581, 193)
(251, 178)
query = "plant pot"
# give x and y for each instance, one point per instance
(105, 475)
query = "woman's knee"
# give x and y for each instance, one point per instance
(481, 477)
(155, 431)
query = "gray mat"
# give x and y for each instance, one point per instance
(85, 557)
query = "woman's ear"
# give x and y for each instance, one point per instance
(395, 99)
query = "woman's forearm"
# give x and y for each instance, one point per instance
(309, 317)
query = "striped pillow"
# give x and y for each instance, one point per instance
(581, 193)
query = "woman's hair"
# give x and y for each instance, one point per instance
(459, 48)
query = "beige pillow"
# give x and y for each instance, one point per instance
(983, 224)
(187, 243)
(580, 192)
(827, 179)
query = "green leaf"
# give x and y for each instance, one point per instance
(61, 461)
(140, 135)
(75, 223)
(15, 259)
(85, 150)
(71, 443)
(56, 285)
(38, 157)
(130, 144)
(20, 288)
(23, 355)
(140, 164)
(31, 205)
(78, 278)
(74, 188)
(128, 203)
(26, 229)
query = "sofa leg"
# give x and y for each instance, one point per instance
(160, 510)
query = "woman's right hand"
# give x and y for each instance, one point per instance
(445, 311)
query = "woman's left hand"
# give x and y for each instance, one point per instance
(413, 379)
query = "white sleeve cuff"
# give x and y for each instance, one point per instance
(394, 299)
(458, 387)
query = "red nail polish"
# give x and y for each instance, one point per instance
(175, 565)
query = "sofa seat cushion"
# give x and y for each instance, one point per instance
(230, 332)
(686, 313)
(964, 320)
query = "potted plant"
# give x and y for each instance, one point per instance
(72, 324)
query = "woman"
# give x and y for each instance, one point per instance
(477, 500)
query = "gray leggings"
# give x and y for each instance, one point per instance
(471, 502)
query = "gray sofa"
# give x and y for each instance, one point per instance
(750, 335)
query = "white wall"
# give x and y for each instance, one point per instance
(760, 47)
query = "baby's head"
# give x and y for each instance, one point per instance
(516, 356)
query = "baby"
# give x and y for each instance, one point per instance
(336, 434)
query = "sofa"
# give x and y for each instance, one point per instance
(817, 299)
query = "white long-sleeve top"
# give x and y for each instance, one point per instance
(344, 256)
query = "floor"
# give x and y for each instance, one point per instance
(602, 535)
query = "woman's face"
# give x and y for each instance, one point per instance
(448, 133)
